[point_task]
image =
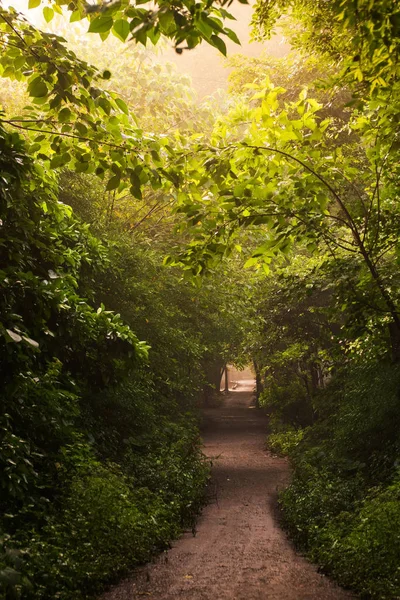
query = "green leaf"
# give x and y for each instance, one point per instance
(34, 3)
(113, 183)
(218, 43)
(154, 35)
(76, 16)
(135, 187)
(232, 36)
(64, 115)
(59, 160)
(101, 24)
(81, 128)
(204, 27)
(122, 105)
(106, 74)
(55, 101)
(37, 88)
(48, 14)
(226, 15)
(121, 29)
(167, 22)
(251, 262)
(19, 62)
(155, 156)
(104, 104)
(81, 167)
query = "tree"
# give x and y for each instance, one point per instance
(184, 22)
(360, 37)
(279, 165)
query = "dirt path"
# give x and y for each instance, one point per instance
(239, 551)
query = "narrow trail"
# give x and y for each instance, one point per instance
(239, 551)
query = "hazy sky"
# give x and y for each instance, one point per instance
(207, 67)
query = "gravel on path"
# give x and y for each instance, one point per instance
(239, 551)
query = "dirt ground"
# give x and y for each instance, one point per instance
(239, 551)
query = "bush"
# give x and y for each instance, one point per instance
(361, 548)
(343, 505)
(176, 470)
(285, 442)
(368, 557)
(285, 400)
(103, 528)
(104, 524)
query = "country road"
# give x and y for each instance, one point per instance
(239, 551)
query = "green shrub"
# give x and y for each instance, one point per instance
(368, 417)
(285, 442)
(176, 470)
(369, 556)
(286, 401)
(103, 525)
(103, 528)
(313, 499)
(342, 506)
(362, 548)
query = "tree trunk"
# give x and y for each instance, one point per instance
(213, 377)
(259, 384)
(226, 390)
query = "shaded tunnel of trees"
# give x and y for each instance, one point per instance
(148, 239)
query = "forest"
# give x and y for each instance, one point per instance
(149, 238)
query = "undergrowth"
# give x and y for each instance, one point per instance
(100, 460)
(342, 506)
(105, 518)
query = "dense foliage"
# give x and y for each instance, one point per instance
(99, 464)
(343, 503)
(298, 173)
(326, 352)
(99, 448)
